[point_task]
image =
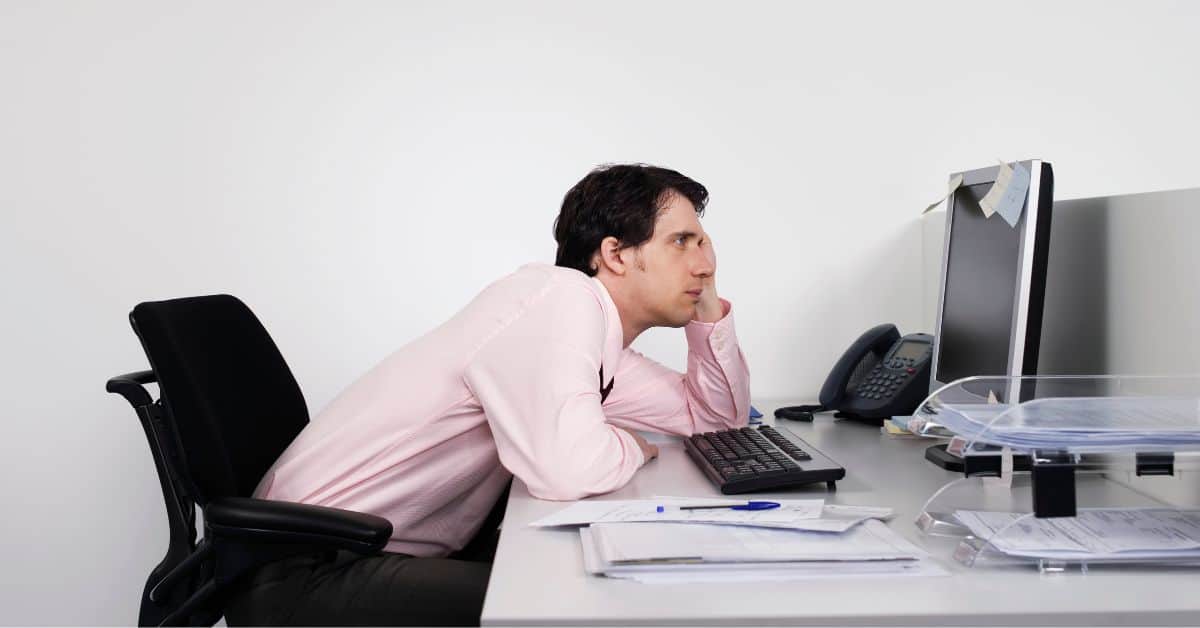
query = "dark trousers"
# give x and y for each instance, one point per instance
(346, 589)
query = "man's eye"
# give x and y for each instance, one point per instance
(681, 240)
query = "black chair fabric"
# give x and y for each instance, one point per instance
(231, 394)
(228, 407)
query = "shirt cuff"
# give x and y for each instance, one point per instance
(631, 445)
(711, 339)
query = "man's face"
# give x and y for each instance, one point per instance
(669, 270)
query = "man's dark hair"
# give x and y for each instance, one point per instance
(622, 201)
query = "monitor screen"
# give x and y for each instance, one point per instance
(982, 266)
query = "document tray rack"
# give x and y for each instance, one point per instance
(1087, 439)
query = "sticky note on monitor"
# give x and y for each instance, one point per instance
(954, 183)
(1007, 196)
(1013, 200)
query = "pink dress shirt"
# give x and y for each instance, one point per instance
(510, 385)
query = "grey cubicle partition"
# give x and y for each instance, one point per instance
(1122, 285)
(1122, 293)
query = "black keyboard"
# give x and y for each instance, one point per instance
(746, 460)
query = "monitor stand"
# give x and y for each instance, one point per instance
(938, 455)
(981, 464)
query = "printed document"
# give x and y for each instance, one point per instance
(1112, 533)
(676, 573)
(635, 543)
(791, 512)
(1081, 423)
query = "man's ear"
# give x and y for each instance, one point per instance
(608, 257)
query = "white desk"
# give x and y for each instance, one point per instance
(538, 576)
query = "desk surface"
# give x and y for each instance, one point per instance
(538, 575)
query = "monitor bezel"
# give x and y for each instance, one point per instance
(1031, 272)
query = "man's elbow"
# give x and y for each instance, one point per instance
(573, 483)
(561, 489)
(558, 492)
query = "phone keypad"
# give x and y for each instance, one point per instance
(881, 384)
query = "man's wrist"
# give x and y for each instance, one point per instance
(710, 309)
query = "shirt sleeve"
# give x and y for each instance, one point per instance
(714, 394)
(538, 381)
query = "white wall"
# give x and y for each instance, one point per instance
(357, 171)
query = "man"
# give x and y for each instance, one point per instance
(535, 379)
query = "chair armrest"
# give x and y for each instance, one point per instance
(130, 386)
(270, 521)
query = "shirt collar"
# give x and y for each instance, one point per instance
(614, 335)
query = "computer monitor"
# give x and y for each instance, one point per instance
(989, 315)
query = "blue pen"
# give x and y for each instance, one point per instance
(746, 506)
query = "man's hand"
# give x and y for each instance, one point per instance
(709, 309)
(649, 451)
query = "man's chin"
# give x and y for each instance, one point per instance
(682, 320)
(678, 318)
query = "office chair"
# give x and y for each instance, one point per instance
(228, 406)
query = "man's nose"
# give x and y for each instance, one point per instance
(702, 266)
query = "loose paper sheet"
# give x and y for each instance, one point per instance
(1095, 533)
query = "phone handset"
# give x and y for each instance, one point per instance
(856, 362)
(859, 358)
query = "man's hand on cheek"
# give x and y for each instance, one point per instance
(709, 309)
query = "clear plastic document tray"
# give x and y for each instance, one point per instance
(1044, 460)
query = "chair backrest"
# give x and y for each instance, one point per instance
(225, 388)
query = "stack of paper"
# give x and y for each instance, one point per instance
(1103, 535)
(675, 552)
(657, 541)
(1078, 423)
